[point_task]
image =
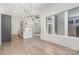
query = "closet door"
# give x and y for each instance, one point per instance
(6, 27)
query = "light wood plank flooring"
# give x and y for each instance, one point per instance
(34, 46)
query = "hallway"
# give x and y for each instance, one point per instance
(33, 46)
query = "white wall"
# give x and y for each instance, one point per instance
(36, 26)
(66, 41)
(15, 24)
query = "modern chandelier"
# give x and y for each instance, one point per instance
(29, 12)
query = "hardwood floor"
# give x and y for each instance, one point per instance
(34, 46)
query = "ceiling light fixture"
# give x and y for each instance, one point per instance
(29, 12)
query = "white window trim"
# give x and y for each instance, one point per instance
(66, 23)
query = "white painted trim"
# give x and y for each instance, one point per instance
(45, 31)
(66, 23)
(53, 25)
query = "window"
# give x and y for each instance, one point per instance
(49, 25)
(59, 24)
(71, 22)
(73, 28)
(77, 21)
(50, 29)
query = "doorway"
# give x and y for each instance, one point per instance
(5, 27)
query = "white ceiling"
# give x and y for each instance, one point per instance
(19, 7)
(35, 6)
